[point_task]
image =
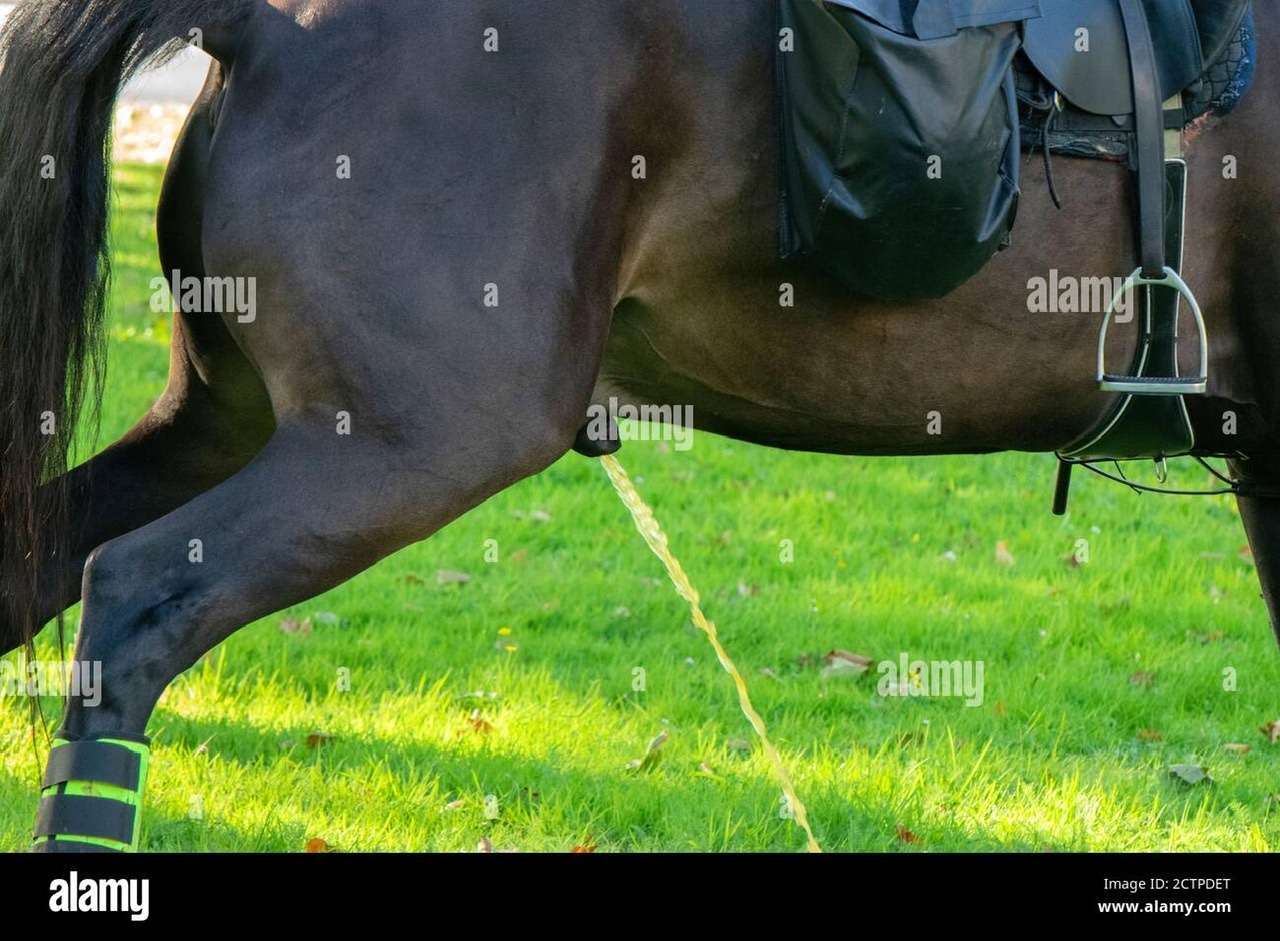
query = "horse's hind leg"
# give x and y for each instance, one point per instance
(403, 394)
(450, 408)
(336, 488)
(312, 509)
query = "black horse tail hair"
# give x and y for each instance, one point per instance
(62, 64)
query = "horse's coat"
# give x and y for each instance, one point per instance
(508, 175)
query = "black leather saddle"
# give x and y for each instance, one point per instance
(1218, 22)
(1082, 47)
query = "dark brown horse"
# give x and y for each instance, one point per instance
(385, 174)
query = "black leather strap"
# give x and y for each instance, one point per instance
(1148, 108)
(93, 761)
(74, 815)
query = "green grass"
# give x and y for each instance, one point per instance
(1098, 677)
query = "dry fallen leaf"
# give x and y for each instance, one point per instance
(587, 847)
(455, 805)
(906, 836)
(485, 845)
(451, 577)
(1238, 748)
(651, 755)
(294, 626)
(1190, 774)
(317, 845)
(1272, 731)
(843, 664)
(478, 724)
(1003, 555)
(520, 555)
(316, 739)
(1149, 735)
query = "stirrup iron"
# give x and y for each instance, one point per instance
(1154, 385)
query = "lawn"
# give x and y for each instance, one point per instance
(498, 683)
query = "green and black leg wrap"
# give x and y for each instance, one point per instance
(91, 799)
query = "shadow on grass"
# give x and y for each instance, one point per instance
(292, 788)
(657, 810)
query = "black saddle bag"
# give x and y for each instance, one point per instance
(900, 146)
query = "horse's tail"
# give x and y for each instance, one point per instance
(63, 63)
